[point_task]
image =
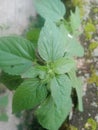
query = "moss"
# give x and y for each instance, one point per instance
(92, 46)
(89, 29)
(91, 124)
(93, 78)
(95, 10)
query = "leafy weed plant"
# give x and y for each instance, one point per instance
(48, 69)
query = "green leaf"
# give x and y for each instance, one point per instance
(33, 35)
(3, 105)
(58, 106)
(76, 82)
(3, 117)
(51, 44)
(49, 116)
(75, 20)
(53, 10)
(60, 87)
(63, 65)
(11, 82)
(28, 95)
(3, 101)
(73, 47)
(34, 72)
(16, 54)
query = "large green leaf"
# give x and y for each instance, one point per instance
(56, 108)
(60, 87)
(63, 65)
(53, 10)
(50, 117)
(28, 95)
(73, 47)
(51, 44)
(16, 54)
(76, 83)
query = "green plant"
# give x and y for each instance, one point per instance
(48, 69)
(3, 105)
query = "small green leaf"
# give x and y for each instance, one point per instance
(35, 71)
(16, 54)
(53, 10)
(3, 105)
(28, 95)
(3, 101)
(63, 65)
(3, 117)
(73, 47)
(75, 20)
(76, 82)
(32, 72)
(51, 44)
(50, 117)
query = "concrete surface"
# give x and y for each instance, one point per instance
(14, 15)
(12, 121)
(14, 18)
